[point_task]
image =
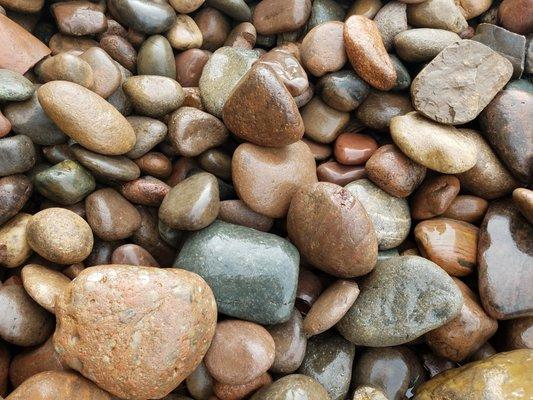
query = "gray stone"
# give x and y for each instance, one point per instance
(324, 11)
(14, 86)
(17, 155)
(342, 90)
(403, 78)
(423, 44)
(391, 19)
(145, 16)
(236, 9)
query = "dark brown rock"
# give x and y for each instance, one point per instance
(15, 190)
(276, 16)
(132, 254)
(339, 174)
(434, 196)
(238, 213)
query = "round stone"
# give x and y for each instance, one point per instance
(18, 155)
(43, 284)
(323, 123)
(391, 20)
(14, 86)
(200, 383)
(467, 208)
(514, 15)
(153, 95)
(288, 69)
(189, 66)
(238, 213)
(149, 133)
(438, 14)
(353, 148)
(378, 109)
(422, 45)
(434, 196)
(523, 198)
(13, 243)
(146, 17)
(322, 49)
(66, 67)
(278, 16)
(15, 190)
(156, 57)
(107, 75)
(184, 34)
(132, 254)
(342, 90)
(215, 27)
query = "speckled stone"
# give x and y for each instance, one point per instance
(15, 190)
(293, 386)
(148, 131)
(523, 199)
(66, 67)
(415, 296)
(43, 284)
(278, 16)
(439, 14)
(223, 255)
(153, 95)
(391, 19)
(423, 44)
(389, 215)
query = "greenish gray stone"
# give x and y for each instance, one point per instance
(329, 360)
(342, 90)
(390, 215)
(156, 57)
(403, 79)
(221, 74)
(14, 86)
(145, 16)
(324, 11)
(236, 9)
(17, 155)
(253, 274)
(400, 300)
(65, 183)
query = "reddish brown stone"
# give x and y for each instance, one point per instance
(523, 198)
(320, 151)
(434, 196)
(308, 290)
(5, 125)
(238, 392)
(467, 208)
(214, 26)
(278, 16)
(339, 174)
(120, 50)
(243, 36)
(322, 49)
(288, 69)
(60, 43)
(147, 191)
(189, 66)
(516, 16)
(238, 213)
(132, 254)
(79, 18)
(353, 148)
(155, 164)
(519, 333)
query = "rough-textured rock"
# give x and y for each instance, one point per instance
(18, 155)
(391, 19)
(14, 86)
(278, 16)
(15, 190)
(438, 14)
(423, 44)
(378, 109)
(66, 67)
(322, 49)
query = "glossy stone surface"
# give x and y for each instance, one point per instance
(238, 213)
(322, 49)
(323, 123)
(342, 90)
(290, 344)
(378, 109)
(353, 148)
(275, 16)
(467, 208)
(291, 386)
(155, 57)
(143, 16)
(152, 95)
(339, 174)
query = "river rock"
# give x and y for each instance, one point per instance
(66, 67)
(342, 90)
(18, 155)
(14, 86)
(459, 83)
(423, 44)
(322, 49)
(238, 213)
(215, 28)
(290, 344)
(434, 196)
(184, 34)
(15, 190)
(523, 198)
(107, 75)
(288, 69)
(13, 244)
(79, 18)
(389, 215)
(378, 109)
(43, 284)
(277, 16)
(223, 255)
(323, 123)
(391, 19)
(153, 95)
(155, 57)
(467, 208)
(148, 297)
(236, 9)
(415, 296)
(438, 14)
(324, 11)
(514, 15)
(291, 386)
(143, 16)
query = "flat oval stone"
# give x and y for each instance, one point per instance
(192, 131)
(65, 183)
(367, 54)
(423, 44)
(238, 213)
(288, 69)
(504, 236)
(465, 333)
(290, 344)
(325, 210)
(391, 20)
(66, 67)
(58, 385)
(258, 90)
(393, 172)
(378, 109)
(322, 49)
(389, 215)
(14, 86)
(291, 386)
(149, 132)
(14, 248)
(120, 50)
(450, 244)
(28, 118)
(329, 359)
(276, 16)
(320, 151)
(240, 352)
(43, 284)
(339, 174)
(192, 204)
(523, 199)
(322, 123)
(147, 191)
(482, 73)
(80, 18)
(107, 76)
(330, 307)
(438, 147)
(132, 254)
(153, 95)
(189, 66)
(342, 90)
(505, 123)
(467, 208)
(223, 254)
(155, 57)
(15, 190)
(266, 178)
(110, 215)
(215, 27)
(143, 16)
(60, 236)
(414, 294)
(22, 321)
(86, 117)
(503, 374)
(221, 74)
(438, 14)
(18, 155)
(147, 297)
(184, 34)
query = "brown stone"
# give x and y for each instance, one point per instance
(15, 190)
(60, 236)
(120, 50)
(367, 54)
(193, 98)
(200, 383)
(278, 16)
(19, 49)
(515, 15)
(79, 18)
(450, 244)
(523, 199)
(107, 76)
(216, 162)
(519, 333)
(308, 290)
(14, 248)
(43, 284)
(132, 254)
(288, 69)
(214, 26)
(354, 148)
(320, 151)
(237, 392)
(240, 352)
(266, 178)
(66, 67)
(244, 112)
(238, 213)
(86, 117)
(155, 164)
(322, 49)
(147, 191)
(184, 33)
(339, 174)
(330, 307)
(365, 8)
(110, 215)
(152, 95)
(323, 123)
(186, 6)
(291, 344)
(243, 36)
(434, 196)
(330, 215)
(5, 125)
(60, 43)
(173, 313)
(189, 66)
(466, 208)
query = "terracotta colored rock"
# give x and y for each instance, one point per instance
(43, 284)
(367, 53)
(450, 244)
(309, 288)
(60, 236)
(339, 174)
(288, 69)
(439, 147)
(258, 90)
(434, 196)
(15, 190)
(320, 151)
(322, 123)
(189, 66)
(291, 386)
(514, 15)
(107, 76)
(5, 125)
(33, 361)
(238, 213)
(20, 50)
(22, 321)
(79, 18)
(86, 118)
(184, 33)
(275, 16)
(504, 241)
(324, 210)
(131, 254)
(155, 164)
(147, 191)
(60, 43)
(464, 334)
(182, 299)
(236, 392)
(437, 93)
(330, 307)
(322, 49)
(14, 248)
(66, 67)
(523, 198)
(365, 8)
(244, 36)
(153, 95)
(466, 208)
(240, 352)
(214, 26)
(266, 178)
(353, 148)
